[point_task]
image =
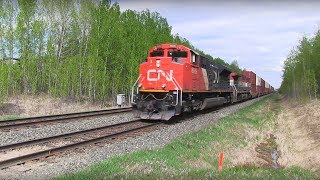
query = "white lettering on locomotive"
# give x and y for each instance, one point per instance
(159, 73)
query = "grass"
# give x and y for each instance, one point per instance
(195, 155)
(6, 117)
(10, 117)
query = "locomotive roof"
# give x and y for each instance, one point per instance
(182, 47)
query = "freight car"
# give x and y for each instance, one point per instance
(251, 76)
(176, 79)
(256, 84)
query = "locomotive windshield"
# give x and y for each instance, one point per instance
(181, 54)
(173, 54)
(156, 54)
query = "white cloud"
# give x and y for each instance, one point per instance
(263, 49)
(276, 68)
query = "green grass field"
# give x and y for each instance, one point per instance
(195, 155)
(3, 118)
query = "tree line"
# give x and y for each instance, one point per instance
(79, 49)
(301, 74)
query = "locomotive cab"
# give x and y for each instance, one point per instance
(159, 86)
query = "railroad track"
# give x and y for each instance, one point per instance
(33, 121)
(19, 153)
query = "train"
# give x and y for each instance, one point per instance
(175, 79)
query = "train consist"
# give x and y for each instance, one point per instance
(176, 79)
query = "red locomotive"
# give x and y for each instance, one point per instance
(175, 79)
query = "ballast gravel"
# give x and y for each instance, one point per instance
(25, 134)
(76, 161)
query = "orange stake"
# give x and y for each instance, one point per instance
(220, 161)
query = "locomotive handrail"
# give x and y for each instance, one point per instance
(235, 92)
(178, 91)
(132, 89)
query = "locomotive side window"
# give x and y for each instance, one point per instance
(156, 54)
(194, 58)
(181, 54)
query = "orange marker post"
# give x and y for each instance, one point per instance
(220, 161)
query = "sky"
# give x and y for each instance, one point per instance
(258, 34)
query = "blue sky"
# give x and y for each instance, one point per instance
(258, 34)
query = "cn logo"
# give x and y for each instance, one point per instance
(157, 73)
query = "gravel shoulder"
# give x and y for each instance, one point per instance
(82, 158)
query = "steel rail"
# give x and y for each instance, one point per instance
(61, 136)
(7, 124)
(49, 152)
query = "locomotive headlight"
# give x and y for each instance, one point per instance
(140, 85)
(163, 86)
(158, 63)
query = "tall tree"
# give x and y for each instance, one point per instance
(301, 69)
(77, 49)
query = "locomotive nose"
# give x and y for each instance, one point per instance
(151, 106)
